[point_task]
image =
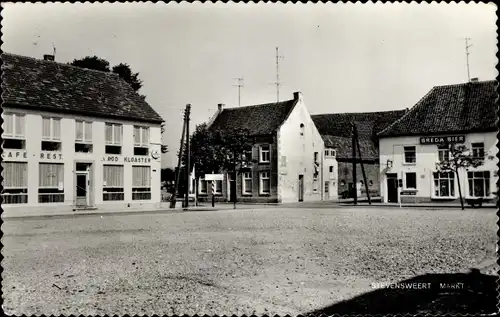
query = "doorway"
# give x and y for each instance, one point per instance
(232, 187)
(83, 185)
(301, 187)
(392, 188)
(327, 190)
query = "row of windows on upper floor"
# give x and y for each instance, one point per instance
(15, 137)
(410, 152)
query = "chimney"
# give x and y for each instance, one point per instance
(474, 80)
(296, 95)
(48, 57)
(220, 107)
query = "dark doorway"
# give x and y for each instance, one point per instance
(392, 188)
(301, 187)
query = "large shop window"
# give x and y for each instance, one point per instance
(202, 186)
(265, 153)
(141, 185)
(410, 153)
(479, 184)
(15, 183)
(265, 183)
(13, 134)
(141, 140)
(444, 184)
(51, 183)
(113, 136)
(246, 183)
(112, 188)
(51, 134)
(83, 137)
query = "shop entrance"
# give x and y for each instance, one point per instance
(83, 183)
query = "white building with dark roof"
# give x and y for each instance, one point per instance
(411, 146)
(75, 138)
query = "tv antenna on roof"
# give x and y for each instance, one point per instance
(239, 85)
(467, 55)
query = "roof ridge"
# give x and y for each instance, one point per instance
(348, 113)
(463, 84)
(61, 64)
(409, 111)
(258, 105)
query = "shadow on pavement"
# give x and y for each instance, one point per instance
(461, 293)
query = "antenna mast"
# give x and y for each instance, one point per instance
(467, 55)
(278, 83)
(239, 85)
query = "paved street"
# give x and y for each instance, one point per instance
(263, 261)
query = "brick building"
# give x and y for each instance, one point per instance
(336, 132)
(288, 152)
(84, 137)
(411, 146)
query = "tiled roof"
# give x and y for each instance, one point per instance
(462, 108)
(336, 130)
(50, 86)
(343, 147)
(258, 120)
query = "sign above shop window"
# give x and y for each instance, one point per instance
(442, 139)
(126, 159)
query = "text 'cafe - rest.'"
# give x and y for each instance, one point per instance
(76, 139)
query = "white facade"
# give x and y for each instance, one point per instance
(418, 175)
(300, 157)
(86, 179)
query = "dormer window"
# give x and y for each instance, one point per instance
(329, 153)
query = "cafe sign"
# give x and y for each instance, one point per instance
(125, 159)
(442, 139)
(14, 155)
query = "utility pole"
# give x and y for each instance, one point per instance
(278, 83)
(239, 85)
(188, 179)
(178, 174)
(362, 166)
(467, 55)
(354, 180)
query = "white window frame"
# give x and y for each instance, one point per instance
(51, 137)
(144, 189)
(487, 181)
(106, 186)
(200, 187)
(245, 176)
(443, 154)
(451, 187)
(262, 177)
(113, 137)
(475, 149)
(262, 152)
(331, 172)
(14, 134)
(405, 151)
(18, 191)
(406, 181)
(330, 153)
(85, 125)
(217, 188)
(142, 142)
(56, 191)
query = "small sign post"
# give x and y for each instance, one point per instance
(213, 178)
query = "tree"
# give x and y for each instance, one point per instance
(460, 158)
(122, 70)
(218, 151)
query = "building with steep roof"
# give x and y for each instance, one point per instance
(336, 131)
(287, 153)
(85, 138)
(411, 146)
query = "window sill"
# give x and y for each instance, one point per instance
(409, 164)
(264, 194)
(444, 197)
(246, 194)
(410, 190)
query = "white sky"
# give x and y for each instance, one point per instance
(342, 57)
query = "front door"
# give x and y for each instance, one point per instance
(327, 190)
(82, 189)
(301, 187)
(392, 188)
(232, 187)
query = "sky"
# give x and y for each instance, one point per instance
(342, 57)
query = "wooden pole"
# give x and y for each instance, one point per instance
(362, 166)
(178, 175)
(354, 180)
(188, 154)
